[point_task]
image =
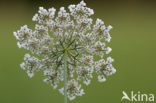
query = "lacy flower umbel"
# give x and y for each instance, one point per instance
(68, 47)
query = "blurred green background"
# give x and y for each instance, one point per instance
(133, 44)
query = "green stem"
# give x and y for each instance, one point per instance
(65, 76)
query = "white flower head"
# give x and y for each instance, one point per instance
(74, 33)
(73, 89)
(101, 78)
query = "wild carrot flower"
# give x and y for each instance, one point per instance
(64, 46)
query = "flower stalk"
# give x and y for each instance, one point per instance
(65, 76)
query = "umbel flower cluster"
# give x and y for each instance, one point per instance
(69, 34)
